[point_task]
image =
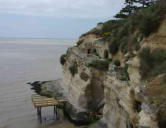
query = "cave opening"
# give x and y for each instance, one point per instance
(106, 54)
(137, 106)
(94, 51)
(161, 118)
(89, 51)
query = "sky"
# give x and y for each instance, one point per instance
(54, 18)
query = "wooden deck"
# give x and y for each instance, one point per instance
(42, 101)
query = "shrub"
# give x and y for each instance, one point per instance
(108, 60)
(108, 26)
(164, 80)
(126, 72)
(123, 31)
(149, 23)
(63, 59)
(113, 47)
(95, 52)
(124, 45)
(153, 62)
(98, 64)
(145, 62)
(137, 47)
(74, 68)
(106, 34)
(117, 62)
(79, 42)
(93, 31)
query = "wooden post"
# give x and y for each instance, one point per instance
(39, 113)
(57, 113)
(54, 110)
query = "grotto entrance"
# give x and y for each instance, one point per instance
(106, 55)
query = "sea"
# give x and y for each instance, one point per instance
(28, 60)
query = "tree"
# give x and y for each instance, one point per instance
(144, 3)
(127, 10)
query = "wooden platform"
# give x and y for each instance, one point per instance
(41, 101)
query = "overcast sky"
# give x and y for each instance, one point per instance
(53, 18)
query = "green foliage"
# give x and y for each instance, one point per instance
(117, 62)
(129, 9)
(74, 68)
(95, 52)
(63, 59)
(121, 15)
(150, 22)
(144, 3)
(137, 47)
(126, 72)
(127, 33)
(153, 63)
(140, 37)
(108, 60)
(93, 31)
(146, 64)
(106, 34)
(99, 64)
(113, 47)
(164, 80)
(79, 42)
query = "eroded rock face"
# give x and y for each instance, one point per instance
(125, 101)
(85, 88)
(120, 95)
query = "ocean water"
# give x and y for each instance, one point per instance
(23, 61)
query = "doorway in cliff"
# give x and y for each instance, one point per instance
(106, 54)
(137, 106)
(89, 51)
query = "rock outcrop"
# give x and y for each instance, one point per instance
(96, 84)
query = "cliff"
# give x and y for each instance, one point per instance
(124, 83)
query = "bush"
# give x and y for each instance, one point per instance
(127, 33)
(124, 45)
(149, 23)
(98, 64)
(108, 26)
(95, 52)
(153, 63)
(145, 62)
(74, 68)
(63, 59)
(113, 47)
(117, 62)
(126, 72)
(106, 34)
(108, 60)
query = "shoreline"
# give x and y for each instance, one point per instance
(53, 88)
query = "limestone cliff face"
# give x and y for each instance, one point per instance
(85, 86)
(123, 101)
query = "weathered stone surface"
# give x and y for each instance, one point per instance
(125, 103)
(84, 76)
(76, 115)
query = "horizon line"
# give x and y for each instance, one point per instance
(60, 38)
